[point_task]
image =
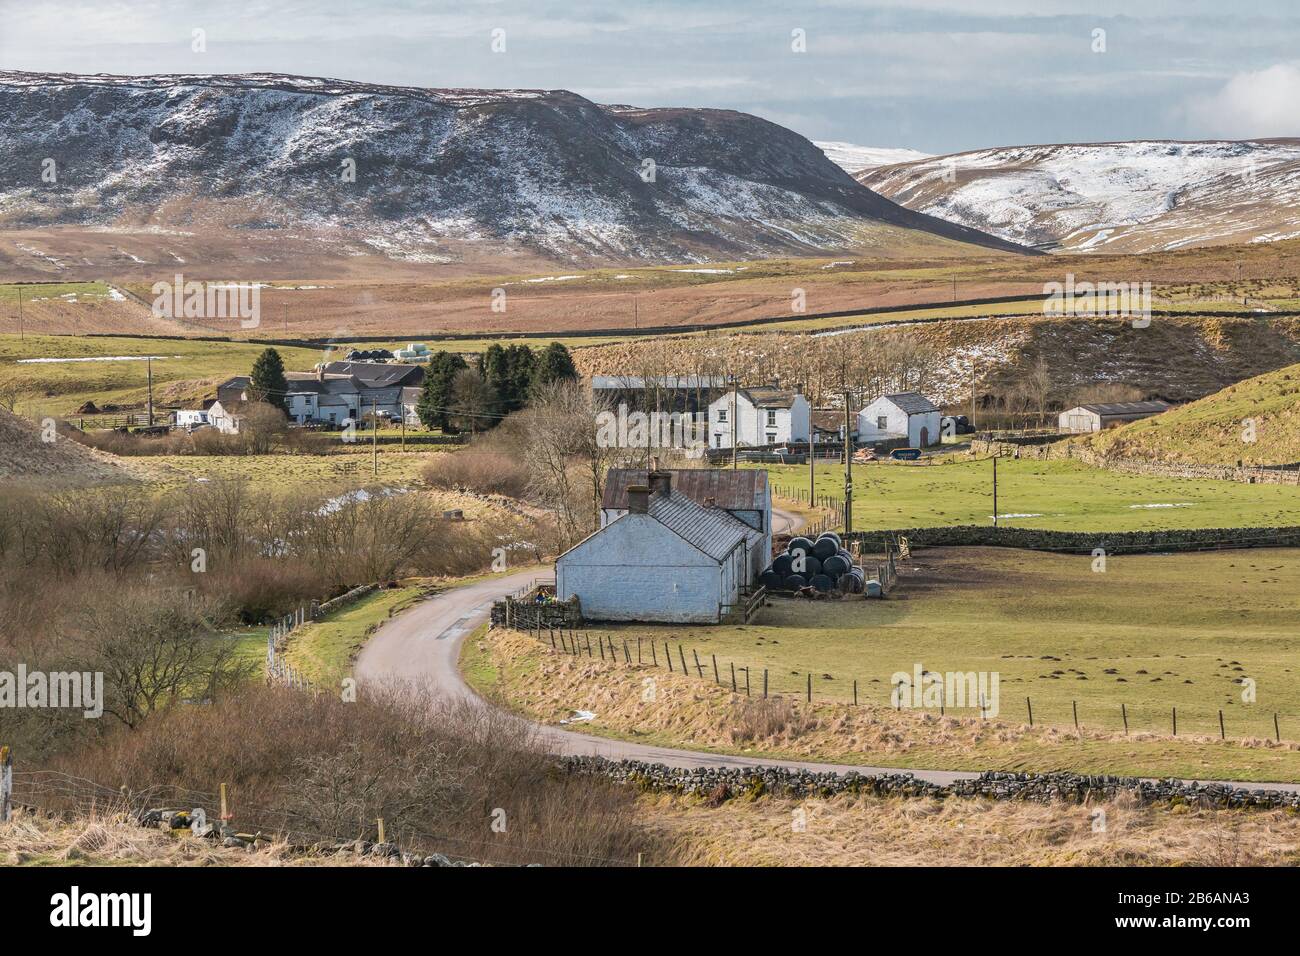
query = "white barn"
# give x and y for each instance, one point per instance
(905, 414)
(1098, 415)
(666, 558)
(764, 415)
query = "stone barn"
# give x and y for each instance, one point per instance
(665, 558)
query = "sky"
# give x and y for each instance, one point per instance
(927, 74)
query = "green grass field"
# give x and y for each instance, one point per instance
(1061, 495)
(290, 471)
(1151, 633)
(323, 650)
(184, 371)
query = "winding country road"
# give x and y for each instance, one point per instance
(421, 646)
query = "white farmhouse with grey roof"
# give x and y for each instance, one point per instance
(903, 414)
(667, 558)
(759, 415)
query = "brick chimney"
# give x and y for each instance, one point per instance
(661, 482)
(638, 499)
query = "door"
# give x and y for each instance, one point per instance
(925, 437)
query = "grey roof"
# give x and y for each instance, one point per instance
(377, 374)
(661, 381)
(913, 403)
(712, 530)
(1126, 408)
(770, 396)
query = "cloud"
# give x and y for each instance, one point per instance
(1258, 104)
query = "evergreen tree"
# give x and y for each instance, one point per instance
(436, 393)
(520, 362)
(553, 365)
(267, 382)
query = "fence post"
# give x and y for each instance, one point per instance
(1222, 735)
(638, 650)
(810, 687)
(716, 678)
(682, 654)
(746, 681)
(6, 784)
(1175, 713)
(1074, 705)
(1277, 731)
(699, 669)
(1123, 712)
(855, 692)
(733, 677)
(654, 655)
(765, 683)
(1029, 705)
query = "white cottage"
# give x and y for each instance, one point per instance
(743, 493)
(763, 415)
(666, 558)
(905, 414)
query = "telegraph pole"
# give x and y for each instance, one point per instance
(995, 491)
(22, 336)
(812, 462)
(735, 389)
(972, 391)
(149, 372)
(848, 466)
(374, 433)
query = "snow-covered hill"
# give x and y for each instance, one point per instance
(415, 172)
(1110, 197)
(853, 159)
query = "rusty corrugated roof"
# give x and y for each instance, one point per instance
(732, 489)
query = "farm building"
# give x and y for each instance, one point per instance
(666, 558)
(905, 414)
(764, 415)
(1094, 417)
(663, 393)
(745, 495)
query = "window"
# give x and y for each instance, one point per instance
(882, 422)
(771, 419)
(722, 414)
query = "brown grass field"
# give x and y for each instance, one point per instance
(315, 294)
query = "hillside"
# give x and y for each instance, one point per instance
(437, 175)
(1178, 359)
(25, 457)
(1217, 428)
(1109, 197)
(854, 159)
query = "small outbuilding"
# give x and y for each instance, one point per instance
(1098, 415)
(907, 415)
